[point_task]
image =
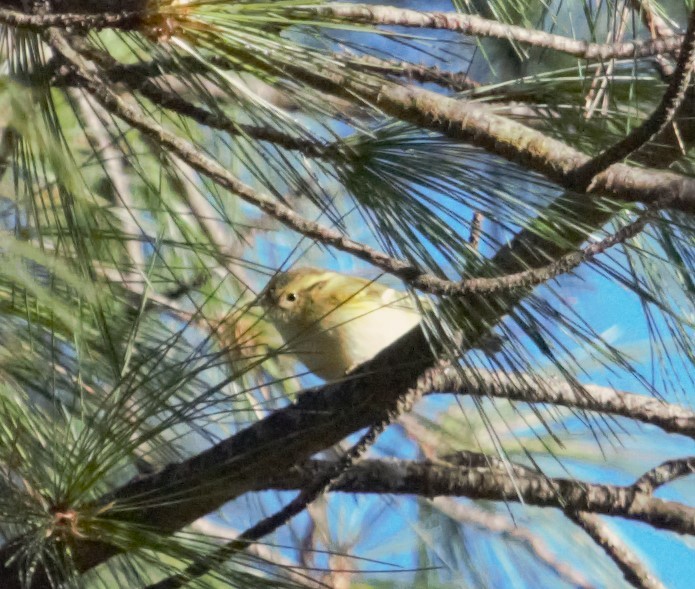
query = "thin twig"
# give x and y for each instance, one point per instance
(632, 568)
(658, 28)
(656, 24)
(476, 230)
(657, 121)
(537, 276)
(604, 71)
(665, 473)
(8, 140)
(456, 81)
(132, 75)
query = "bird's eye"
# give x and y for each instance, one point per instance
(291, 297)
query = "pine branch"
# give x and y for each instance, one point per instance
(667, 416)
(477, 26)
(187, 491)
(467, 24)
(133, 75)
(614, 547)
(181, 484)
(430, 479)
(322, 417)
(408, 272)
(124, 20)
(477, 124)
(633, 570)
(329, 481)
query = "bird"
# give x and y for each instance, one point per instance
(333, 322)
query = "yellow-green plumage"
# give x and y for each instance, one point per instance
(333, 322)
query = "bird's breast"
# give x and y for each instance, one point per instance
(347, 337)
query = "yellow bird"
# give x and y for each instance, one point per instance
(333, 322)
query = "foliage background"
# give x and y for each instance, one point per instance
(158, 170)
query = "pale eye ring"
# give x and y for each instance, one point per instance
(291, 297)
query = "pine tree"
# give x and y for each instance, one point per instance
(522, 169)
